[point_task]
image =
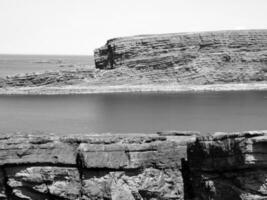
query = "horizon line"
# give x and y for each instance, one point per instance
(43, 54)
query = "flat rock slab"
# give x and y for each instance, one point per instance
(33, 149)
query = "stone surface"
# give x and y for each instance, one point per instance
(229, 166)
(160, 154)
(195, 58)
(2, 185)
(134, 166)
(34, 149)
(55, 78)
(149, 183)
(92, 167)
(43, 182)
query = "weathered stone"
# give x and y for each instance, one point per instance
(229, 166)
(44, 182)
(232, 151)
(144, 168)
(120, 190)
(62, 77)
(148, 184)
(159, 155)
(92, 167)
(30, 149)
(164, 154)
(2, 185)
(189, 58)
(111, 156)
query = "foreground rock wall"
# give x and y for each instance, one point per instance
(229, 166)
(162, 166)
(95, 167)
(195, 58)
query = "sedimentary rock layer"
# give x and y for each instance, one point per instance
(165, 62)
(56, 78)
(229, 166)
(195, 58)
(225, 166)
(93, 167)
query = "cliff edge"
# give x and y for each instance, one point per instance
(190, 58)
(229, 166)
(92, 167)
(164, 166)
(206, 61)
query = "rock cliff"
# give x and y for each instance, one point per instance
(93, 167)
(162, 166)
(229, 166)
(195, 58)
(168, 62)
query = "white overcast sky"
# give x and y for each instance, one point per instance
(79, 26)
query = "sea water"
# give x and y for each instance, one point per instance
(134, 113)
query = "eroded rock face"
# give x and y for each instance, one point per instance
(92, 167)
(229, 166)
(55, 78)
(195, 58)
(43, 182)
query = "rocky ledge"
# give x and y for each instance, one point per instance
(93, 167)
(163, 166)
(229, 166)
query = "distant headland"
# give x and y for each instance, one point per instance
(205, 61)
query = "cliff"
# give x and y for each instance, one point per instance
(189, 58)
(163, 166)
(206, 61)
(93, 167)
(229, 166)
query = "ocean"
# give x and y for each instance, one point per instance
(134, 113)
(19, 64)
(122, 113)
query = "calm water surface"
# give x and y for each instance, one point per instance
(205, 112)
(20, 64)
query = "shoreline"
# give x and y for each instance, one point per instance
(167, 88)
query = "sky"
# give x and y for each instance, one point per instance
(79, 26)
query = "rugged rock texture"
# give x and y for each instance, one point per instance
(92, 167)
(225, 166)
(56, 78)
(195, 58)
(229, 166)
(168, 60)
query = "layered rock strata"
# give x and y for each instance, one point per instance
(55, 78)
(229, 166)
(195, 58)
(167, 62)
(92, 167)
